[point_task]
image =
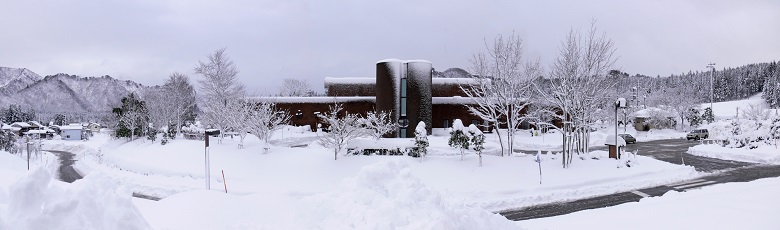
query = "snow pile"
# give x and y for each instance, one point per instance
(765, 154)
(745, 205)
(610, 140)
(385, 195)
(37, 202)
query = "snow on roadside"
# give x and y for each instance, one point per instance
(743, 205)
(764, 154)
(383, 195)
(35, 200)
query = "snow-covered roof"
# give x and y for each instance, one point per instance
(389, 60)
(35, 123)
(36, 131)
(455, 100)
(313, 99)
(454, 81)
(72, 127)
(5, 126)
(349, 81)
(648, 112)
(21, 124)
(610, 140)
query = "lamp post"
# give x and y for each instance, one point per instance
(620, 103)
(712, 78)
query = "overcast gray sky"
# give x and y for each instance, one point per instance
(270, 40)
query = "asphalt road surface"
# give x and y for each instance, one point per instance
(672, 151)
(66, 171)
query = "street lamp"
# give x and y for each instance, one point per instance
(711, 65)
(619, 103)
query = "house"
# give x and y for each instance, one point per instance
(20, 127)
(40, 133)
(94, 127)
(72, 132)
(34, 125)
(643, 119)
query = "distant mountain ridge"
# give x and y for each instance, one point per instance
(62, 93)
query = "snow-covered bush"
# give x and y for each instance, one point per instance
(421, 140)
(343, 129)
(458, 138)
(660, 120)
(477, 140)
(379, 124)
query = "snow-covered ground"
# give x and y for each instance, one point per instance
(763, 152)
(298, 185)
(728, 109)
(503, 182)
(747, 205)
(553, 140)
(34, 199)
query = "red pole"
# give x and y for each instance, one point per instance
(223, 180)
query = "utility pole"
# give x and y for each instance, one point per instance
(712, 78)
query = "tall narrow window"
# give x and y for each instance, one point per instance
(403, 97)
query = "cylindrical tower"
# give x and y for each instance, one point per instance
(418, 98)
(388, 80)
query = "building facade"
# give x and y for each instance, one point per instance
(404, 89)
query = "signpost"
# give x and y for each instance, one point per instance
(206, 156)
(539, 160)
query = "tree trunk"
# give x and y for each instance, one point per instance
(500, 141)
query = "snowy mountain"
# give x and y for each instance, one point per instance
(63, 92)
(452, 73)
(15, 79)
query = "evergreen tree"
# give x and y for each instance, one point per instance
(477, 140)
(708, 116)
(421, 140)
(693, 117)
(458, 138)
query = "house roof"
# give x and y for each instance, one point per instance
(21, 124)
(648, 112)
(71, 127)
(35, 123)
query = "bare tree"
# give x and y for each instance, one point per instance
(240, 119)
(504, 84)
(266, 119)
(576, 87)
(343, 129)
(181, 95)
(219, 87)
(379, 124)
(295, 88)
(159, 107)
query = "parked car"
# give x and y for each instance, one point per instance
(628, 138)
(697, 134)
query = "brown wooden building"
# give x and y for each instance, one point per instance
(435, 101)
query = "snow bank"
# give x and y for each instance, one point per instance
(386, 195)
(765, 154)
(37, 202)
(746, 205)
